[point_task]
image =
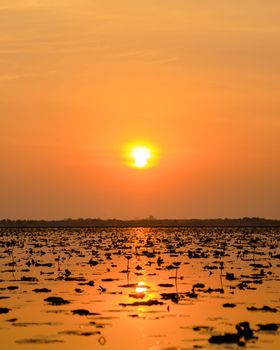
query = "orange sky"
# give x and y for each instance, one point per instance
(81, 79)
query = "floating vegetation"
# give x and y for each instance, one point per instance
(265, 308)
(80, 333)
(42, 290)
(4, 310)
(56, 301)
(154, 285)
(229, 305)
(83, 312)
(143, 303)
(243, 334)
(38, 341)
(268, 327)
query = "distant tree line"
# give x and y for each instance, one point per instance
(148, 222)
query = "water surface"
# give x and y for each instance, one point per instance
(140, 288)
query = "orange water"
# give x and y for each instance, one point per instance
(32, 323)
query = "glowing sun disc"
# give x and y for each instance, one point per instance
(141, 155)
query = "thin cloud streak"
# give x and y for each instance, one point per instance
(13, 77)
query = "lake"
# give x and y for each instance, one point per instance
(140, 288)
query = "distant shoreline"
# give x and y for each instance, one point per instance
(92, 223)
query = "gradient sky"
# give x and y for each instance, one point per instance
(80, 79)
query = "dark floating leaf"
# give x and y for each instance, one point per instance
(44, 264)
(86, 334)
(192, 294)
(207, 267)
(175, 297)
(130, 285)
(56, 301)
(216, 290)
(229, 305)
(170, 267)
(12, 287)
(93, 262)
(99, 325)
(268, 327)
(83, 312)
(225, 338)
(202, 328)
(89, 283)
(29, 279)
(143, 303)
(109, 279)
(166, 285)
(4, 310)
(243, 331)
(41, 290)
(78, 279)
(264, 308)
(38, 341)
(27, 324)
(230, 276)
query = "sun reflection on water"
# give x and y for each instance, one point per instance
(141, 288)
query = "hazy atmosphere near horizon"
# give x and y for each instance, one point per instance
(129, 108)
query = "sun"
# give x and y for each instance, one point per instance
(140, 155)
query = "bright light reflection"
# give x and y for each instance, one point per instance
(141, 288)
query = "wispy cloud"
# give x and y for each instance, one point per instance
(12, 77)
(20, 5)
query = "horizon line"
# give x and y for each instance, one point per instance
(149, 218)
